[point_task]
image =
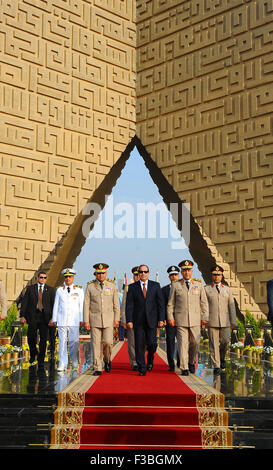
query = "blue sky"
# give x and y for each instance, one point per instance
(126, 249)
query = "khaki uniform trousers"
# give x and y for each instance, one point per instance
(131, 346)
(218, 343)
(102, 336)
(188, 340)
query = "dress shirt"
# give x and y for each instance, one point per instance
(142, 284)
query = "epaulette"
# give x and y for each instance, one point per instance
(196, 279)
(77, 285)
(90, 282)
(110, 280)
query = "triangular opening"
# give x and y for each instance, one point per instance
(75, 250)
(133, 227)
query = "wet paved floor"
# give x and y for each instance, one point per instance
(242, 378)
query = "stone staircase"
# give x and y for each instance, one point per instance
(256, 417)
(26, 420)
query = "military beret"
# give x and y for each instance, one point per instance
(217, 269)
(186, 264)
(100, 267)
(135, 270)
(173, 270)
(68, 272)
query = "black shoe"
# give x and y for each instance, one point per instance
(171, 369)
(217, 371)
(107, 366)
(97, 372)
(135, 368)
(142, 372)
(192, 368)
(223, 364)
(149, 367)
(185, 372)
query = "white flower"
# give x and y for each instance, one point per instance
(268, 350)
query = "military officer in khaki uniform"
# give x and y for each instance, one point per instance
(130, 331)
(101, 313)
(222, 316)
(187, 310)
(3, 301)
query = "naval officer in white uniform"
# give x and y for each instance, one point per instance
(68, 316)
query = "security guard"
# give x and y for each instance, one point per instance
(187, 310)
(68, 316)
(222, 316)
(101, 315)
(130, 331)
(3, 302)
(173, 272)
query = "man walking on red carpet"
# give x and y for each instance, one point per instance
(101, 314)
(188, 311)
(173, 272)
(130, 331)
(222, 317)
(144, 312)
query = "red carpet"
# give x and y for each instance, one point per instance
(124, 410)
(124, 387)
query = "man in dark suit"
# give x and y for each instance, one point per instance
(36, 311)
(144, 313)
(173, 272)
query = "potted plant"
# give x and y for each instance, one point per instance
(237, 348)
(256, 332)
(248, 350)
(8, 321)
(258, 352)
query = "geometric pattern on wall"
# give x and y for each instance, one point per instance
(67, 81)
(204, 113)
(191, 78)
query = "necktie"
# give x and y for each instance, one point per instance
(101, 284)
(144, 290)
(187, 284)
(40, 294)
(218, 289)
(68, 289)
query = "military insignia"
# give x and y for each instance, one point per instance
(100, 266)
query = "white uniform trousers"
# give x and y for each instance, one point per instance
(188, 340)
(70, 334)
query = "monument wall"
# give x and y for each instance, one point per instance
(192, 79)
(204, 113)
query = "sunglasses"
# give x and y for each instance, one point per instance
(141, 272)
(42, 277)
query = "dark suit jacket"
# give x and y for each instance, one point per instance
(139, 309)
(30, 300)
(270, 299)
(165, 293)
